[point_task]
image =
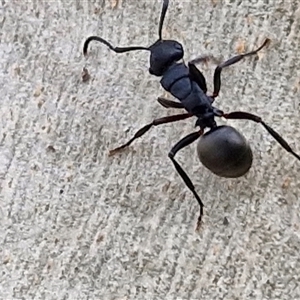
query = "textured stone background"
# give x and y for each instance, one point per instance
(77, 224)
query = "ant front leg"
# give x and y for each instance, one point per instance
(144, 129)
(195, 74)
(180, 145)
(229, 62)
(247, 116)
(169, 103)
(204, 59)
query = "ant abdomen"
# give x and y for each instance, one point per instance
(225, 152)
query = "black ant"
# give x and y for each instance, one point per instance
(222, 149)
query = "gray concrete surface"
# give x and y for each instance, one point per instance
(77, 224)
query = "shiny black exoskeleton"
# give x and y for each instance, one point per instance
(222, 149)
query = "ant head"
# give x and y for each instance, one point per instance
(225, 152)
(163, 54)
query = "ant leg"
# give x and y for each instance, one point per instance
(247, 116)
(204, 59)
(181, 144)
(229, 62)
(197, 76)
(155, 122)
(115, 49)
(169, 103)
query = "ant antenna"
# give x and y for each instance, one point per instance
(115, 49)
(162, 17)
(132, 48)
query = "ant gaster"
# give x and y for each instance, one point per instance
(222, 149)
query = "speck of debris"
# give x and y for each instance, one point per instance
(97, 10)
(16, 70)
(249, 19)
(240, 47)
(85, 76)
(166, 187)
(50, 148)
(100, 238)
(35, 167)
(115, 3)
(225, 221)
(286, 183)
(38, 91)
(214, 2)
(40, 103)
(6, 260)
